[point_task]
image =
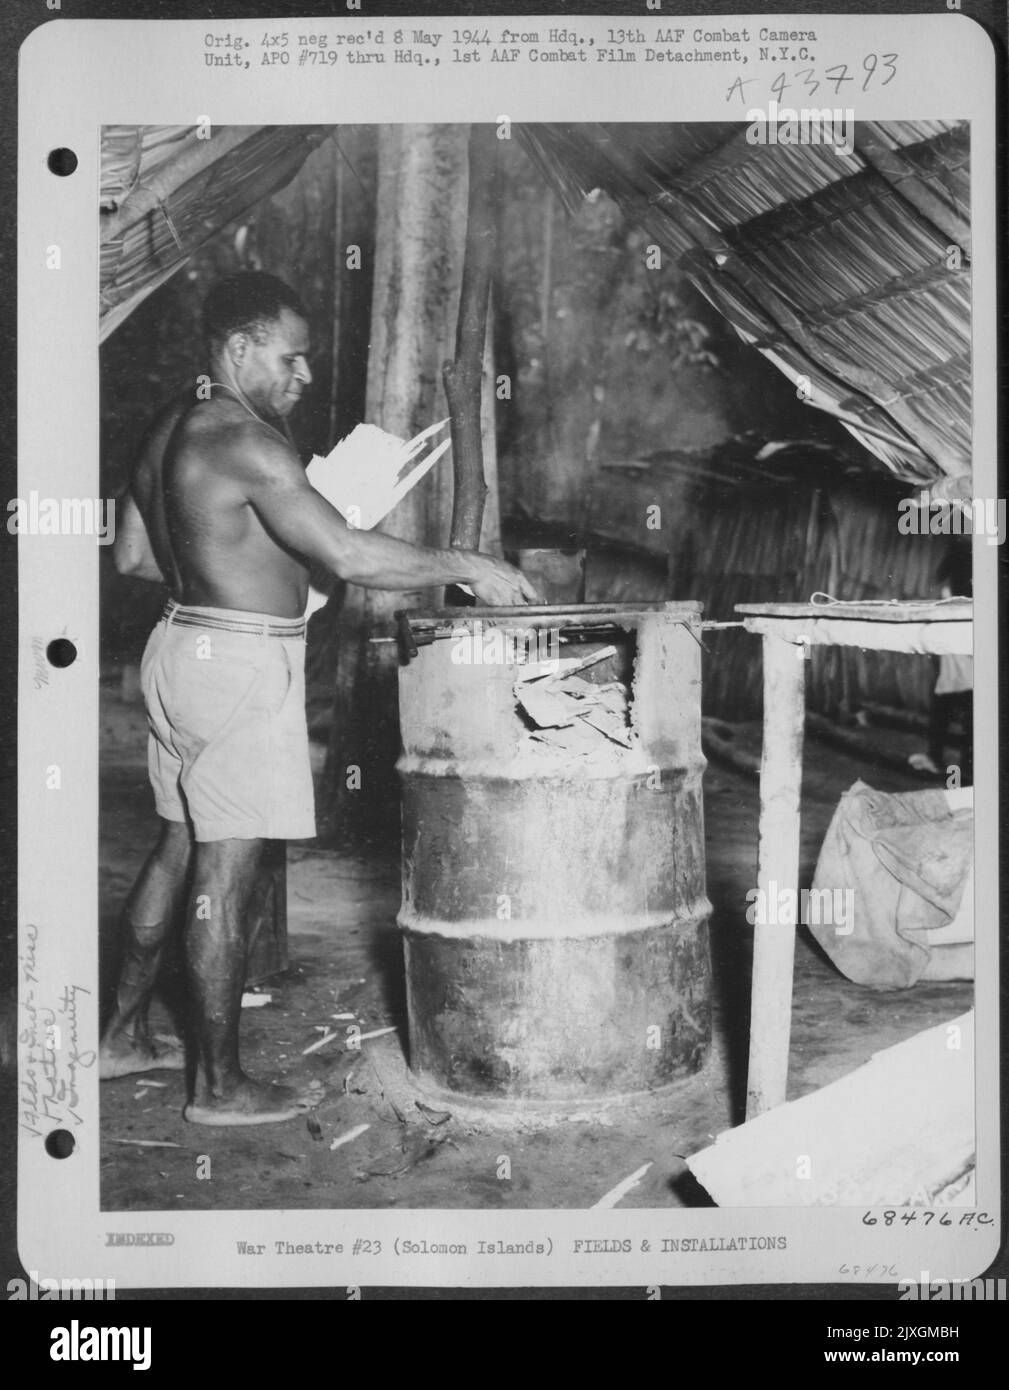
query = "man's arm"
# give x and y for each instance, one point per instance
(301, 519)
(131, 549)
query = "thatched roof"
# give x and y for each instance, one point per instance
(165, 191)
(835, 266)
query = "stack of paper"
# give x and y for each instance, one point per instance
(570, 712)
(367, 473)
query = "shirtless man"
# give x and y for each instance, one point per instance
(219, 508)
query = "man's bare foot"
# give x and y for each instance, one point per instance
(124, 1056)
(253, 1103)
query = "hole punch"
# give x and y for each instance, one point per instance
(61, 652)
(60, 1143)
(61, 162)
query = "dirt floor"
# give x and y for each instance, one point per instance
(346, 959)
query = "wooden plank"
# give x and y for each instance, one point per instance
(898, 1130)
(895, 611)
(925, 638)
(778, 861)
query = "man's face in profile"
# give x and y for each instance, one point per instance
(274, 372)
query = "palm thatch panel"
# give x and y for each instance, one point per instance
(128, 149)
(165, 192)
(744, 523)
(927, 163)
(849, 271)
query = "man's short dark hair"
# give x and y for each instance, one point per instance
(246, 303)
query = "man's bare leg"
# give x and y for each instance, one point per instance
(151, 909)
(217, 935)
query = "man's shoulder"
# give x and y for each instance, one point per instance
(206, 426)
(242, 449)
(258, 448)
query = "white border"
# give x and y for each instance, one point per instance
(76, 76)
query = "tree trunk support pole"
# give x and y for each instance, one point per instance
(463, 376)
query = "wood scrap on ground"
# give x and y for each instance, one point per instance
(314, 1047)
(253, 999)
(377, 1033)
(618, 1193)
(897, 1131)
(349, 1136)
(433, 1117)
(147, 1143)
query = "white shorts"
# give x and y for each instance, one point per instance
(228, 745)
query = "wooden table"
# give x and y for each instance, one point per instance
(788, 631)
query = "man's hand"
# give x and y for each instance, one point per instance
(498, 584)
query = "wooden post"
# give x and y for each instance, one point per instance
(339, 256)
(463, 377)
(777, 869)
(546, 278)
(418, 257)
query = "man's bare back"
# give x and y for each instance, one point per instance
(222, 552)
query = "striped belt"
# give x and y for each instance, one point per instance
(225, 620)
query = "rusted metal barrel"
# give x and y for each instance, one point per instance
(554, 911)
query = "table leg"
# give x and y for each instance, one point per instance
(777, 870)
